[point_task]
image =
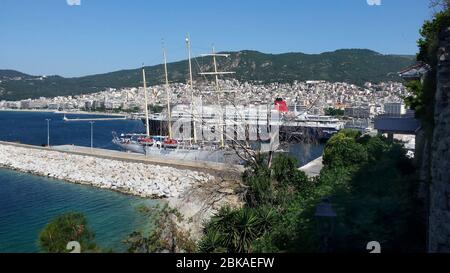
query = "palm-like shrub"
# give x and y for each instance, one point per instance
(235, 230)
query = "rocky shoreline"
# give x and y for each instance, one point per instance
(144, 180)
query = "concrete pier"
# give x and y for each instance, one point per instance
(313, 168)
(138, 158)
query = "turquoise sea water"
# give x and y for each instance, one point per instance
(28, 203)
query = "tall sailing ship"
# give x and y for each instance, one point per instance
(166, 145)
(248, 120)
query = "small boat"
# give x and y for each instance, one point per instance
(145, 141)
(130, 142)
(170, 143)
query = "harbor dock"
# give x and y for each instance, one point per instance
(136, 158)
(313, 168)
(66, 119)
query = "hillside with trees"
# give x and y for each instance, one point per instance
(347, 65)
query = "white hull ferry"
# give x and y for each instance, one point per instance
(248, 118)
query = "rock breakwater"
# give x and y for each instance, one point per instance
(145, 180)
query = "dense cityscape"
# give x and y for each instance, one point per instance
(314, 96)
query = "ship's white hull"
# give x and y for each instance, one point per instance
(187, 154)
(132, 147)
(220, 156)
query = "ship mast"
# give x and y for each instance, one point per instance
(220, 127)
(167, 92)
(216, 73)
(147, 126)
(191, 86)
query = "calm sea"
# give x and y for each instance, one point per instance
(28, 202)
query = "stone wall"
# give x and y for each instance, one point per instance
(439, 210)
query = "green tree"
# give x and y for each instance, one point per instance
(334, 112)
(165, 235)
(422, 100)
(257, 227)
(381, 203)
(343, 150)
(284, 168)
(375, 146)
(64, 229)
(260, 189)
(289, 179)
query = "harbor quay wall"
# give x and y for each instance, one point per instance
(313, 168)
(214, 168)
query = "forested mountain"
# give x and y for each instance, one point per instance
(347, 65)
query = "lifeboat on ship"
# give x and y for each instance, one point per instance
(146, 141)
(170, 143)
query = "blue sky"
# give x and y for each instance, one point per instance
(45, 37)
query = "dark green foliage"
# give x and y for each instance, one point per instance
(373, 189)
(334, 112)
(284, 168)
(165, 235)
(64, 229)
(351, 133)
(235, 230)
(428, 43)
(343, 150)
(349, 65)
(285, 172)
(155, 108)
(375, 146)
(260, 187)
(422, 100)
(376, 200)
(381, 204)
(6, 74)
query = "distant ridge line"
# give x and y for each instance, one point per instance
(355, 66)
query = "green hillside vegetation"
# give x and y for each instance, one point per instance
(348, 65)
